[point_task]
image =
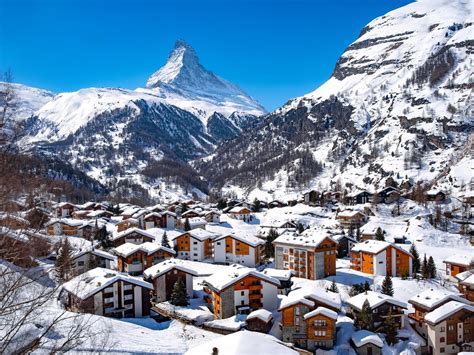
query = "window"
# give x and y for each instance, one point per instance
(442, 339)
(195, 254)
(195, 243)
(242, 303)
(297, 311)
(441, 350)
(218, 243)
(450, 328)
(320, 333)
(320, 323)
(242, 293)
(80, 263)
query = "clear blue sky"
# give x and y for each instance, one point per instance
(273, 49)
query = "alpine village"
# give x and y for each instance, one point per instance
(183, 218)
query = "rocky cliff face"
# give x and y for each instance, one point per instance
(399, 104)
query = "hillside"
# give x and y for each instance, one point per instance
(397, 105)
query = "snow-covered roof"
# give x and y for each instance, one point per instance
(364, 337)
(446, 310)
(282, 275)
(228, 276)
(318, 294)
(349, 213)
(153, 214)
(431, 298)
(357, 192)
(68, 221)
(196, 221)
(253, 241)
(127, 249)
(323, 311)
(262, 314)
(167, 265)
(291, 301)
(238, 209)
(91, 282)
(371, 246)
(201, 234)
(310, 238)
(97, 252)
(130, 231)
(243, 342)
(460, 259)
(467, 278)
(375, 299)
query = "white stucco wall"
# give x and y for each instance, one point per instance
(380, 266)
(270, 296)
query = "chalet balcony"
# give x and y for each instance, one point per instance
(255, 287)
(255, 296)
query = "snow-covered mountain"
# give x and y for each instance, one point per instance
(398, 104)
(26, 101)
(184, 82)
(115, 134)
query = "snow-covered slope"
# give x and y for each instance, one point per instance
(115, 134)
(399, 104)
(27, 100)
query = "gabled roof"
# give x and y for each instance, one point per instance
(375, 299)
(233, 274)
(148, 248)
(317, 294)
(253, 241)
(67, 221)
(96, 252)
(460, 259)
(282, 275)
(199, 234)
(349, 213)
(364, 337)
(446, 310)
(167, 265)
(310, 238)
(431, 298)
(153, 214)
(95, 280)
(261, 314)
(130, 231)
(238, 209)
(322, 311)
(291, 301)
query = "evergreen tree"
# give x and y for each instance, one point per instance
(92, 262)
(424, 268)
(366, 286)
(364, 319)
(178, 295)
(221, 204)
(63, 267)
(164, 241)
(431, 267)
(187, 226)
(256, 205)
(387, 286)
(333, 287)
(269, 248)
(416, 259)
(102, 236)
(350, 231)
(390, 329)
(379, 234)
(357, 236)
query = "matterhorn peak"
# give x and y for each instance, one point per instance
(183, 78)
